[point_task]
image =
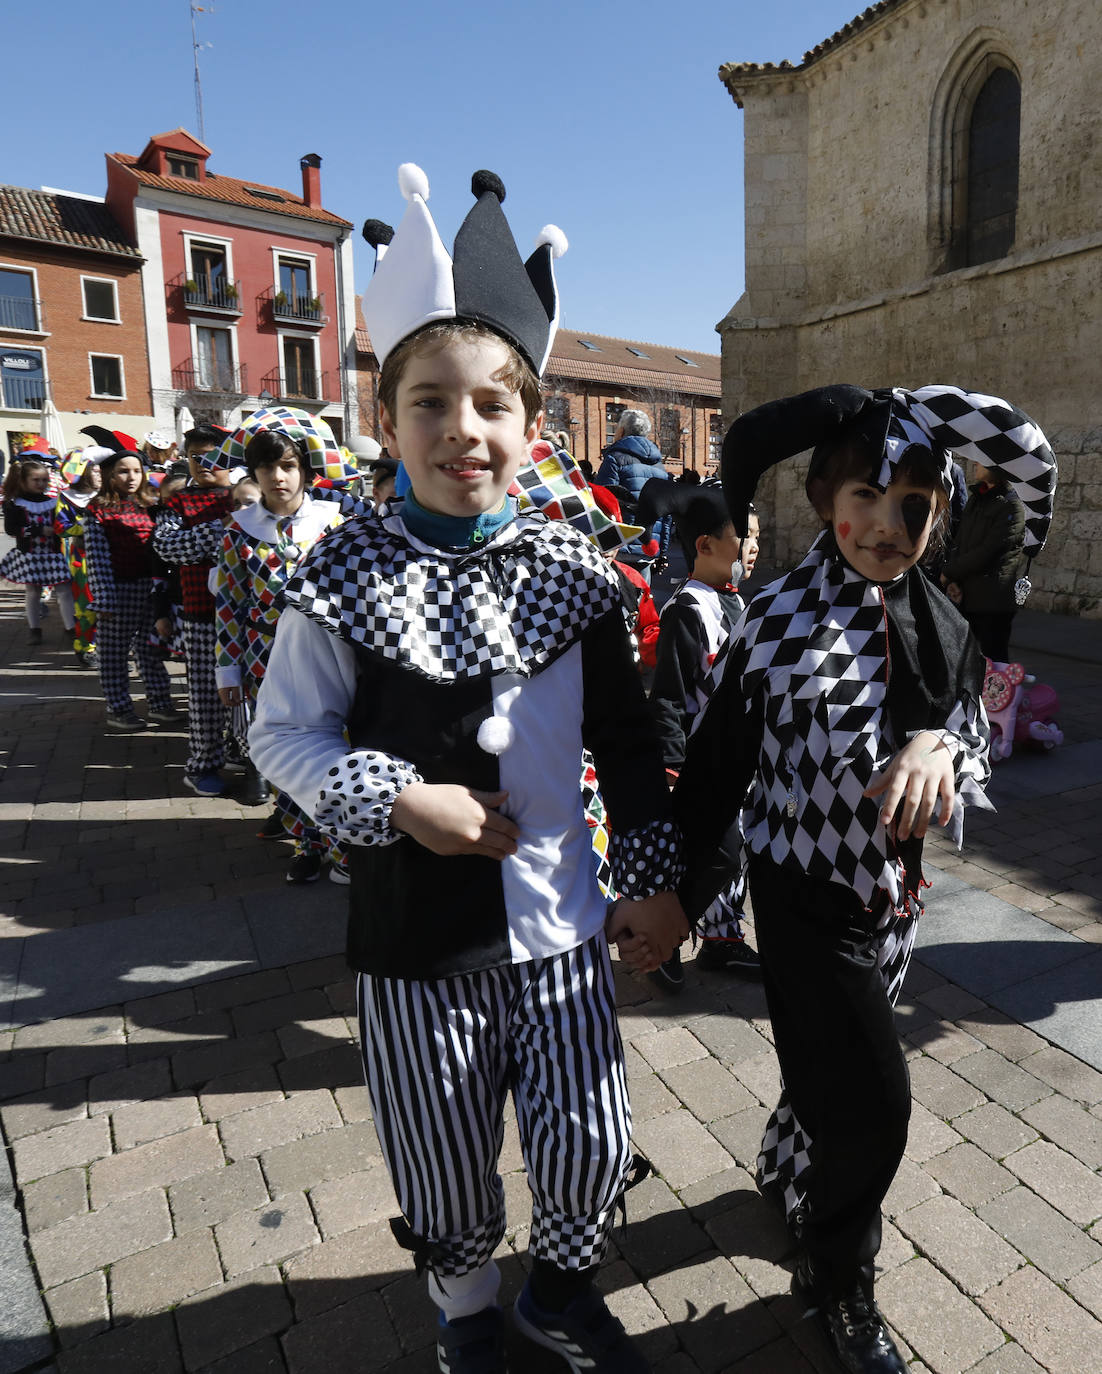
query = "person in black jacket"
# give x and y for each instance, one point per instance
(986, 561)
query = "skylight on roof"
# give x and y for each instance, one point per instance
(585, 343)
(638, 352)
(264, 195)
(687, 361)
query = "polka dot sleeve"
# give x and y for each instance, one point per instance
(647, 860)
(356, 798)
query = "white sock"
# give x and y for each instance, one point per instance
(467, 1294)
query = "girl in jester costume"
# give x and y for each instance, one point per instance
(848, 718)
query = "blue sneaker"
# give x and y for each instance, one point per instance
(586, 1335)
(206, 784)
(472, 1345)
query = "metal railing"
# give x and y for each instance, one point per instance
(24, 393)
(301, 384)
(198, 375)
(296, 309)
(212, 295)
(20, 312)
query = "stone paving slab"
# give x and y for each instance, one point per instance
(200, 1185)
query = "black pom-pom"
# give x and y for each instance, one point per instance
(376, 232)
(487, 181)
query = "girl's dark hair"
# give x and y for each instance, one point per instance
(13, 482)
(850, 460)
(146, 495)
(268, 447)
(516, 374)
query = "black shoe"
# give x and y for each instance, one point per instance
(254, 788)
(728, 956)
(305, 868)
(670, 976)
(34, 636)
(585, 1334)
(125, 722)
(853, 1326)
(273, 828)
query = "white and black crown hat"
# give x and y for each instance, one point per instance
(943, 419)
(416, 282)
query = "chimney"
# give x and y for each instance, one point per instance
(311, 179)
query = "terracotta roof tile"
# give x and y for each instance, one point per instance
(730, 72)
(233, 191)
(46, 217)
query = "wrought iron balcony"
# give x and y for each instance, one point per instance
(21, 312)
(291, 308)
(212, 294)
(300, 384)
(198, 374)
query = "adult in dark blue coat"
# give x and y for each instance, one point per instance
(629, 463)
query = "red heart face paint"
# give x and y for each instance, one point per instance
(843, 529)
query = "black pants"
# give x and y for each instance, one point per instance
(840, 1059)
(992, 630)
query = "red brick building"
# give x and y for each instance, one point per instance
(591, 378)
(249, 288)
(72, 324)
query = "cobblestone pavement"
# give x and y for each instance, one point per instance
(194, 1182)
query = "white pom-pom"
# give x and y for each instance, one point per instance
(412, 181)
(552, 234)
(495, 734)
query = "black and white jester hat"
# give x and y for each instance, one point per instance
(416, 282)
(943, 419)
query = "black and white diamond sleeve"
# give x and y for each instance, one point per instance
(356, 798)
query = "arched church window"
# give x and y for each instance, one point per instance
(988, 172)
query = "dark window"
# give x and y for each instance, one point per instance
(556, 412)
(183, 167)
(687, 361)
(715, 439)
(300, 378)
(18, 307)
(214, 359)
(106, 375)
(100, 301)
(209, 276)
(669, 433)
(585, 343)
(22, 378)
(991, 195)
(613, 411)
(638, 352)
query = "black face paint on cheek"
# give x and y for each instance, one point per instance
(915, 517)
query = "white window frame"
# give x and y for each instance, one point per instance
(36, 299)
(311, 259)
(107, 395)
(192, 237)
(100, 319)
(311, 339)
(231, 329)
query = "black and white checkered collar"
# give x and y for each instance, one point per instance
(511, 606)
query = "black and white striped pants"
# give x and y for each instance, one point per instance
(127, 628)
(441, 1056)
(206, 714)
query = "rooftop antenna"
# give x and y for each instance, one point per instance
(195, 46)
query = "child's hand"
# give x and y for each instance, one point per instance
(229, 696)
(647, 931)
(919, 772)
(449, 819)
(163, 626)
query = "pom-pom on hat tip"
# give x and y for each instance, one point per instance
(554, 237)
(412, 181)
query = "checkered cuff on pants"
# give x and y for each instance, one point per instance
(355, 801)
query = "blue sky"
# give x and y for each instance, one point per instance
(606, 118)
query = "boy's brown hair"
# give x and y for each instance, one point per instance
(516, 374)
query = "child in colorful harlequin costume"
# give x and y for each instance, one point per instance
(83, 478)
(848, 718)
(261, 548)
(471, 651)
(189, 536)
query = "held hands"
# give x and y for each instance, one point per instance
(450, 819)
(646, 932)
(919, 772)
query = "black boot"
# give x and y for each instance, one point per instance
(852, 1324)
(254, 788)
